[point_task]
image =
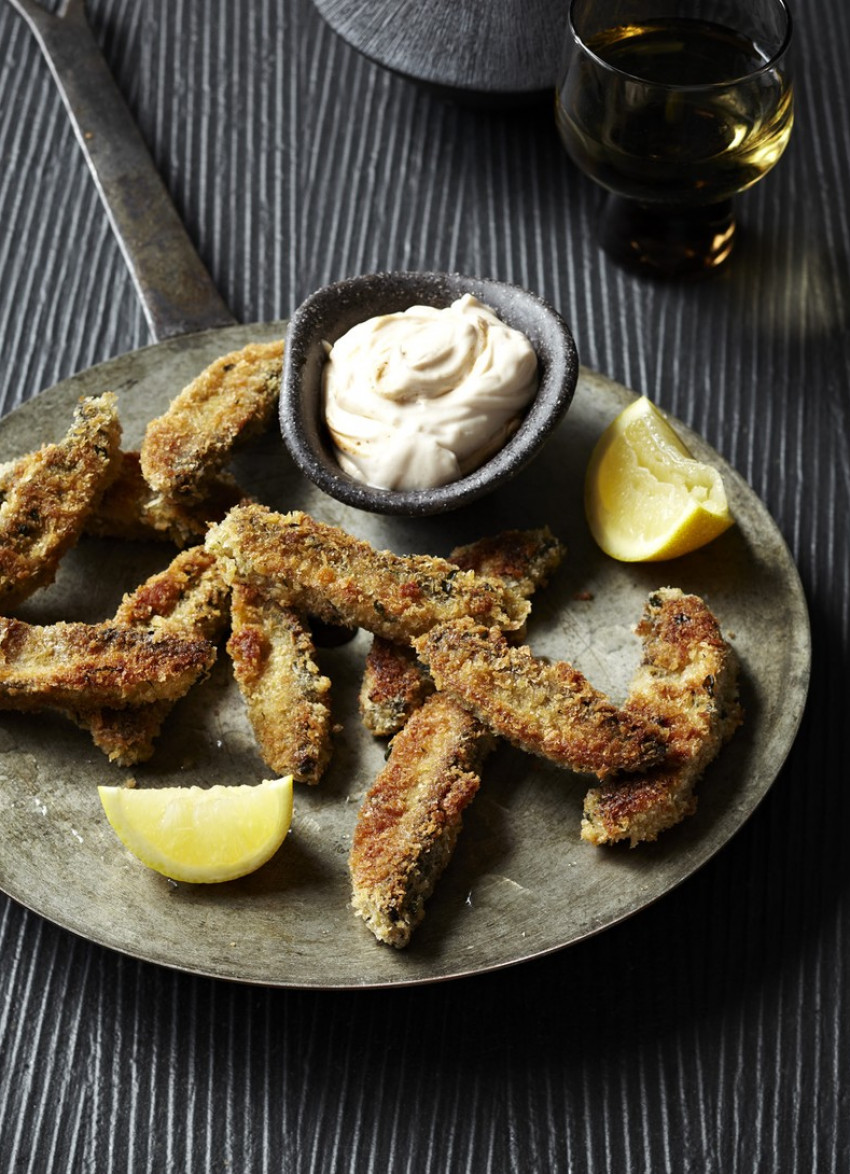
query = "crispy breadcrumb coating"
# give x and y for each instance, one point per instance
(48, 495)
(411, 817)
(398, 836)
(523, 559)
(190, 596)
(549, 709)
(394, 682)
(230, 401)
(130, 510)
(394, 685)
(324, 571)
(688, 683)
(286, 696)
(188, 599)
(57, 664)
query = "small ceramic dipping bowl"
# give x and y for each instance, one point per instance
(327, 314)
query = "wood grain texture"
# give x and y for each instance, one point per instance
(711, 1033)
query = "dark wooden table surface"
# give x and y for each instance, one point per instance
(712, 1031)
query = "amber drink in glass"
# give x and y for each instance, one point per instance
(675, 107)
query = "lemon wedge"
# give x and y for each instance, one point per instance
(198, 834)
(646, 497)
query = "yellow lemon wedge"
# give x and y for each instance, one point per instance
(646, 497)
(201, 835)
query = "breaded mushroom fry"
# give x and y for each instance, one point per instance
(50, 493)
(411, 817)
(394, 683)
(57, 664)
(549, 709)
(230, 401)
(132, 511)
(285, 694)
(323, 571)
(688, 681)
(188, 599)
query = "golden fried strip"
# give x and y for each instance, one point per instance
(688, 682)
(190, 596)
(188, 599)
(286, 695)
(49, 494)
(325, 572)
(547, 709)
(396, 826)
(394, 683)
(59, 664)
(132, 511)
(411, 817)
(231, 400)
(524, 559)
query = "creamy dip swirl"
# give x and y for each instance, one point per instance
(422, 397)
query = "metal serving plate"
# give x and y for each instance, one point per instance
(521, 883)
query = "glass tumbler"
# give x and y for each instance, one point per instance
(674, 107)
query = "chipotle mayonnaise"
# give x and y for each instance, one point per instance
(419, 398)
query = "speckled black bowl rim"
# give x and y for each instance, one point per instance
(332, 310)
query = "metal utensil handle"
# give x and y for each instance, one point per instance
(176, 291)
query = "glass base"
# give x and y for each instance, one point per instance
(667, 242)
